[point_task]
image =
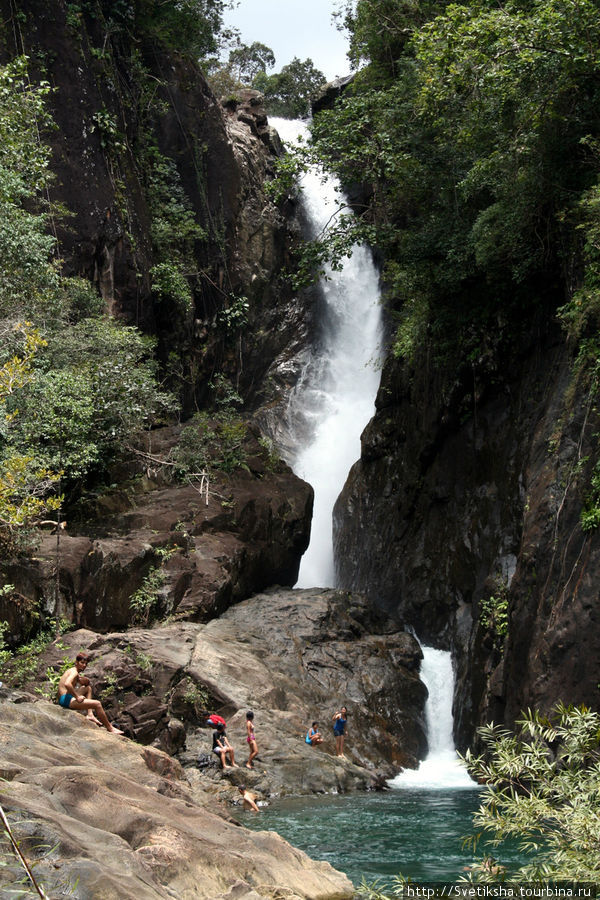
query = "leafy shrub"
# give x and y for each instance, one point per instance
(210, 443)
(95, 389)
(542, 787)
(144, 601)
(493, 614)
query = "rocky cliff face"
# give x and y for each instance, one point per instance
(465, 506)
(117, 103)
(191, 553)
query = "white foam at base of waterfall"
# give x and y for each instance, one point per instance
(442, 769)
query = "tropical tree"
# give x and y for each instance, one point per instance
(288, 93)
(471, 130)
(246, 61)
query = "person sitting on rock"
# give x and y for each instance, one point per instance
(313, 735)
(223, 748)
(75, 692)
(249, 799)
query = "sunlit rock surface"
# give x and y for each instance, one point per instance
(106, 819)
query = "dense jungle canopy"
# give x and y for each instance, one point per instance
(472, 130)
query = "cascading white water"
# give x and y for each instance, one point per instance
(442, 769)
(332, 402)
(334, 398)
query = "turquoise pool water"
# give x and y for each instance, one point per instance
(418, 832)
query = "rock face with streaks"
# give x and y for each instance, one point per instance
(115, 97)
(463, 517)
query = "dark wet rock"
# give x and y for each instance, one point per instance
(460, 496)
(330, 92)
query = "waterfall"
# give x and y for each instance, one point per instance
(442, 769)
(334, 397)
(328, 410)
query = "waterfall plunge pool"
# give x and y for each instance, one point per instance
(416, 831)
(377, 835)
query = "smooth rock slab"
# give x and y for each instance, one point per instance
(91, 809)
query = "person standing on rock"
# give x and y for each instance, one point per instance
(223, 748)
(251, 739)
(75, 692)
(339, 729)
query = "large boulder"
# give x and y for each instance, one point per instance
(292, 657)
(105, 819)
(194, 553)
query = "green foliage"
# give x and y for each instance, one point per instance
(272, 457)
(5, 653)
(53, 675)
(287, 169)
(542, 787)
(233, 317)
(170, 283)
(246, 61)
(175, 233)
(111, 138)
(23, 158)
(493, 613)
(21, 665)
(144, 661)
(469, 128)
(375, 891)
(25, 483)
(288, 93)
(225, 396)
(209, 443)
(590, 514)
(110, 685)
(190, 27)
(195, 695)
(94, 390)
(144, 601)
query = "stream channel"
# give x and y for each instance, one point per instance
(417, 827)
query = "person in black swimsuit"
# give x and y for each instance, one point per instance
(223, 748)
